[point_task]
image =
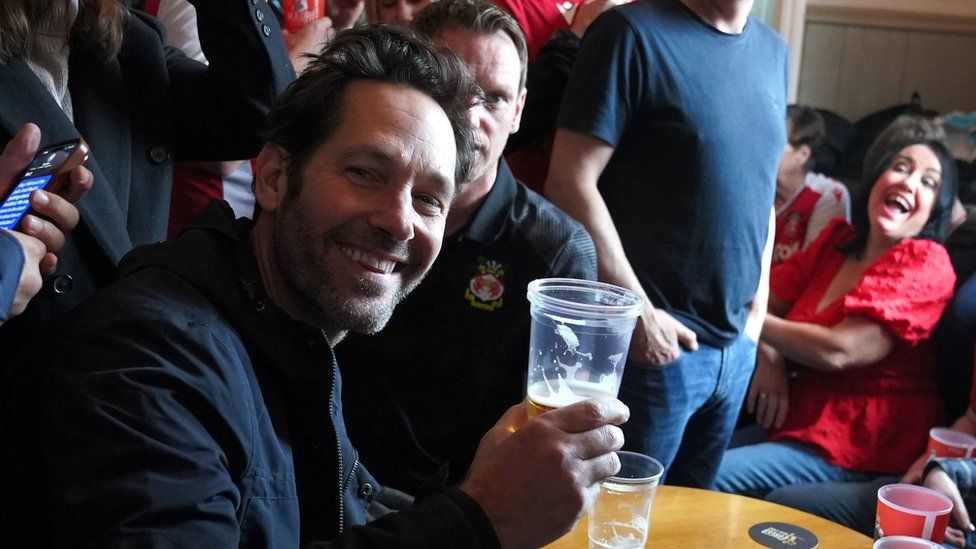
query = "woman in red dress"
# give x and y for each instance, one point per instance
(851, 316)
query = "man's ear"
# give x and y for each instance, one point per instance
(271, 177)
(519, 105)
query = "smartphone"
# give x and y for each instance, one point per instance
(49, 171)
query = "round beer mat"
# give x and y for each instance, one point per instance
(781, 534)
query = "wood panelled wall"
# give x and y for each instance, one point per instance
(856, 63)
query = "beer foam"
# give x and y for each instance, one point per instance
(571, 340)
(565, 392)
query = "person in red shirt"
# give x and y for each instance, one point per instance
(851, 315)
(806, 201)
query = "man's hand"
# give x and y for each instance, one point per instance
(588, 11)
(535, 479)
(42, 232)
(938, 480)
(769, 391)
(310, 39)
(658, 337)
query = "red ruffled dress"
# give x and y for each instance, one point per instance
(875, 418)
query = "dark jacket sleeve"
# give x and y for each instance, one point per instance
(449, 519)
(577, 258)
(223, 106)
(125, 439)
(11, 264)
(546, 85)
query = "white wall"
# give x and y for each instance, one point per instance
(859, 56)
(955, 8)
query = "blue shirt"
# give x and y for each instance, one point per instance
(11, 264)
(696, 119)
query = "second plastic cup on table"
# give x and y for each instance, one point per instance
(621, 514)
(909, 510)
(579, 340)
(905, 542)
(944, 442)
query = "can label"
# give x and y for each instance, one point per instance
(299, 13)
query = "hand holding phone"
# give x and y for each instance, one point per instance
(48, 171)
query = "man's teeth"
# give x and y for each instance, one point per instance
(372, 261)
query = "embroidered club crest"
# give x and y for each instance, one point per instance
(485, 289)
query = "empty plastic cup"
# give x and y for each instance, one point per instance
(579, 339)
(914, 511)
(621, 513)
(944, 442)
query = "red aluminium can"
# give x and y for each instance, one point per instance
(299, 13)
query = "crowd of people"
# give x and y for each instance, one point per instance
(282, 303)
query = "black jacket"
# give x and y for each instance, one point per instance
(181, 407)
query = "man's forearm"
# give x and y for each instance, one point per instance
(584, 203)
(757, 309)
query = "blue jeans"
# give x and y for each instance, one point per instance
(853, 504)
(683, 413)
(758, 469)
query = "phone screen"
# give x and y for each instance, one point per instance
(40, 172)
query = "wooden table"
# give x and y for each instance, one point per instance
(687, 518)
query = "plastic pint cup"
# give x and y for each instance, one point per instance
(944, 442)
(914, 511)
(579, 340)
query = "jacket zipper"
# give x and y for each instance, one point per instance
(341, 483)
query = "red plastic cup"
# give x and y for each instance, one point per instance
(944, 442)
(905, 542)
(914, 511)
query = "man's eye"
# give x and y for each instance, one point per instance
(429, 202)
(361, 173)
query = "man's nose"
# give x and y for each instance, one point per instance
(395, 216)
(476, 114)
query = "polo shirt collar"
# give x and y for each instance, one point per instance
(487, 222)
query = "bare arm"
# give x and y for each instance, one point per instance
(757, 309)
(855, 342)
(577, 162)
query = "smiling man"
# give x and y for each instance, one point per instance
(195, 403)
(416, 408)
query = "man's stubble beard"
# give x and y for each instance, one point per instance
(311, 279)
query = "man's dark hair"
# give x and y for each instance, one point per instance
(311, 109)
(805, 126)
(479, 16)
(905, 132)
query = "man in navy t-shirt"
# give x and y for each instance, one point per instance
(669, 139)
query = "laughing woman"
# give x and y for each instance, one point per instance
(851, 316)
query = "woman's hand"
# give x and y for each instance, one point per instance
(938, 480)
(769, 392)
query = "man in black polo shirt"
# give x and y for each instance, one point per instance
(453, 357)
